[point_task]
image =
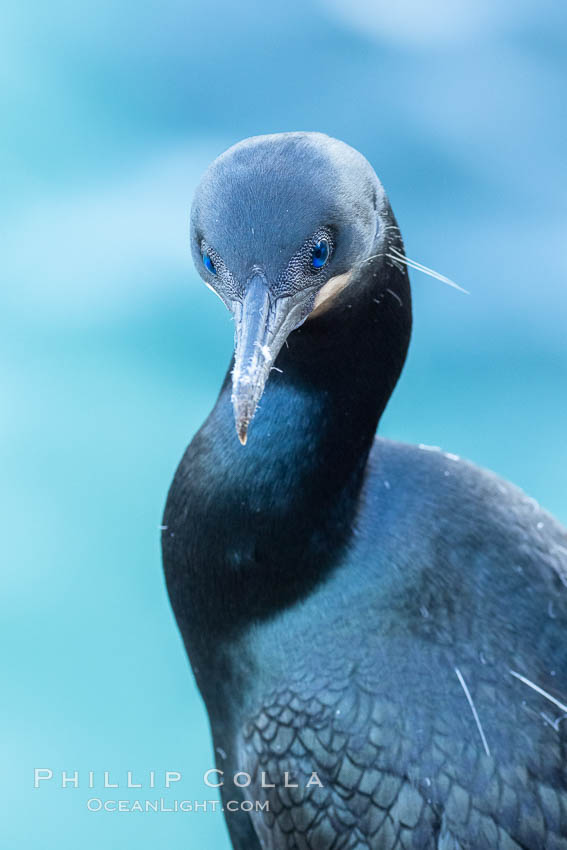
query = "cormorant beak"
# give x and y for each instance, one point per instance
(262, 326)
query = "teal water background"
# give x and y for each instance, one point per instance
(113, 350)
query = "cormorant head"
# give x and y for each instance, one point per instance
(280, 224)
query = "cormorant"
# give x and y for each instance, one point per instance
(379, 631)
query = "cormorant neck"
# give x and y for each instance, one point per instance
(257, 526)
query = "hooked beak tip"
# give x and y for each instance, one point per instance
(242, 431)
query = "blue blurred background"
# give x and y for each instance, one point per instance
(113, 350)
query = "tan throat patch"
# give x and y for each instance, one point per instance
(329, 292)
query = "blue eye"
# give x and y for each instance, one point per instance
(208, 263)
(320, 254)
